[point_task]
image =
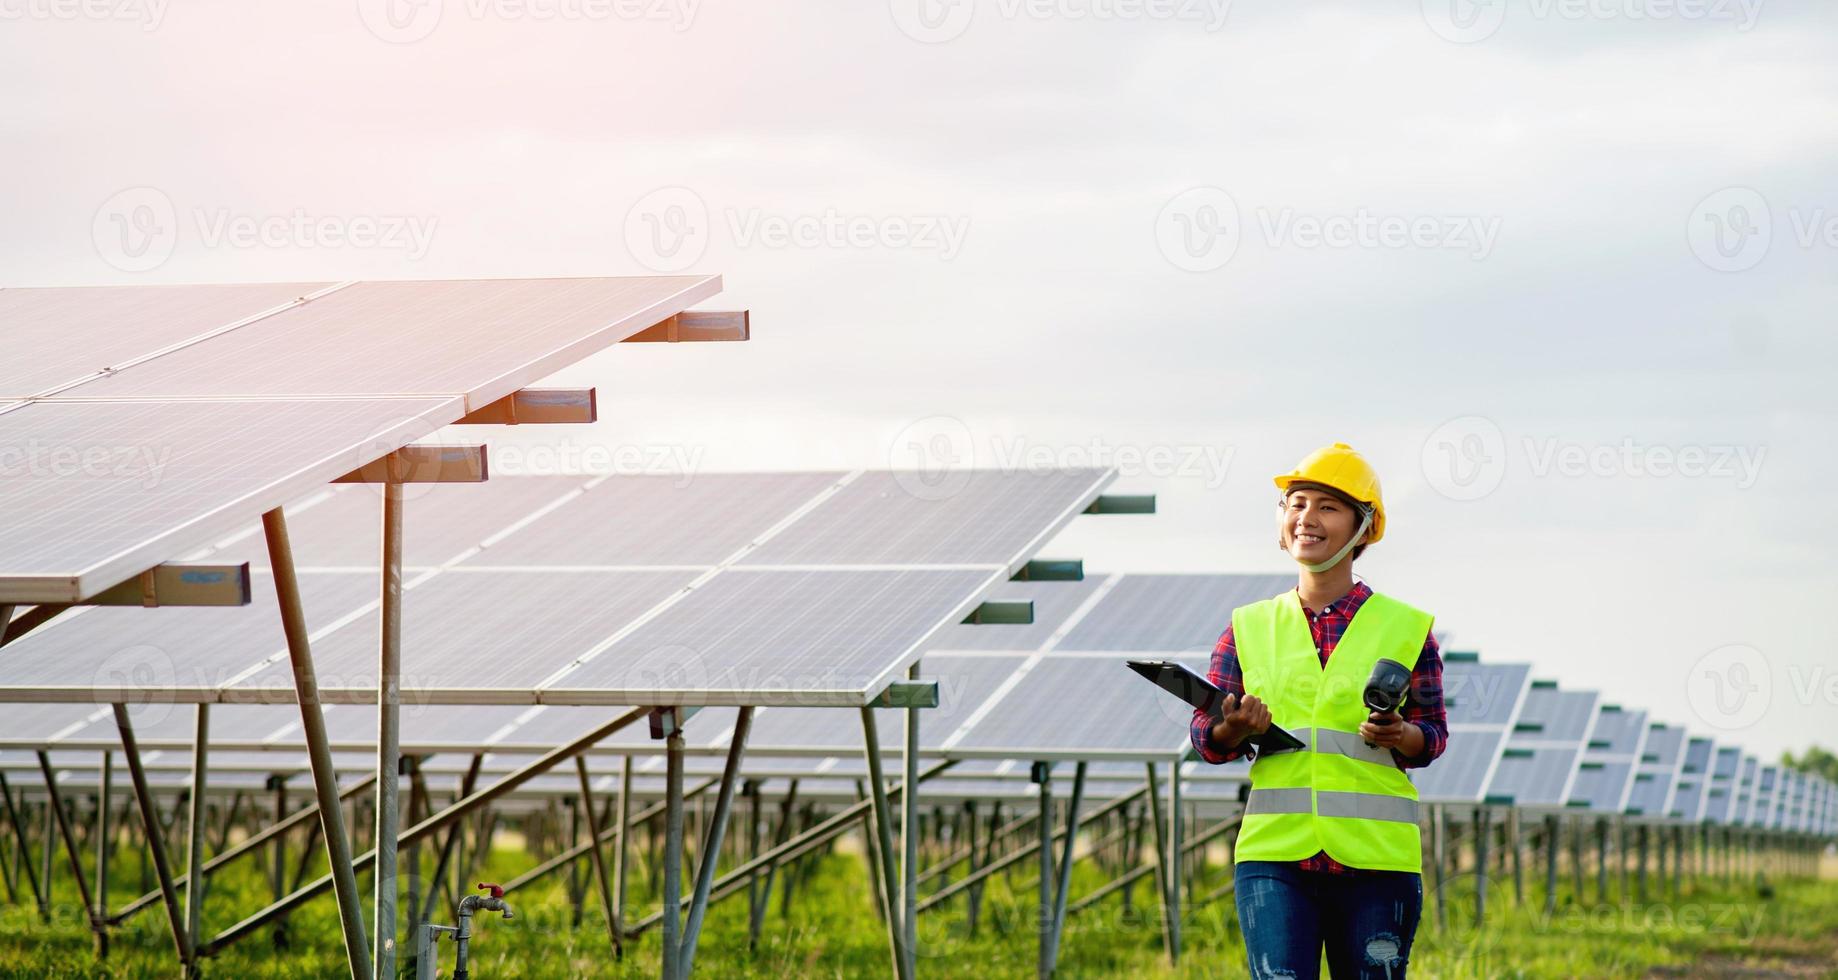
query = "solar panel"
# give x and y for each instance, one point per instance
(1745, 792)
(1606, 773)
(814, 637)
(1174, 613)
(699, 519)
(1053, 602)
(59, 335)
(1720, 795)
(1544, 747)
(1122, 715)
(1480, 700)
(1762, 811)
(112, 488)
(479, 338)
(1693, 780)
(1656, 777)
(888, 517)
(963, 683)
(479, 637)
(178, 652)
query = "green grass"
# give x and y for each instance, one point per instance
(833, 931)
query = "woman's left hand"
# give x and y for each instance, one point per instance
(1388, 730)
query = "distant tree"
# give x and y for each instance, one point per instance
(1814, 760)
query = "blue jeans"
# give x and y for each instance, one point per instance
(1366, 920)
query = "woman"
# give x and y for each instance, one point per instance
(1329, 853)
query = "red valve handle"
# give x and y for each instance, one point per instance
(497, 891)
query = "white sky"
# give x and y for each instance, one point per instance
(1060, 141)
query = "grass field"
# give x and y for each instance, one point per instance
(833, 931)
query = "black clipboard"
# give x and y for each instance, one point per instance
(1187, 684)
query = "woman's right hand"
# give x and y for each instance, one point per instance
(1243, 718)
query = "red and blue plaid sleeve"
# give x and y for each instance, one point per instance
(1225, 675)
(1424, 706)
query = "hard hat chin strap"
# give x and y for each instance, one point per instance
(1365, 521)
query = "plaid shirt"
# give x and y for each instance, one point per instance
(1422, 708)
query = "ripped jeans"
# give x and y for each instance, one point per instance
(1366, 920)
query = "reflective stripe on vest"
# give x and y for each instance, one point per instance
(1338, 794)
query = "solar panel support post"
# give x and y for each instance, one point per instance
(708, 856)
(319, 751)
(155, 840)
(1062, 887)
(194, 852)
(909, 823)
(1513, 842)
(389, 719)
(103, 830)
(23, 850)
(1436, 865)
(61, 820)
(1482, 816)
(1041, 775)
(882, 844)
(598, 858)
(673, 851)
(1169, 942)
(1175, 837)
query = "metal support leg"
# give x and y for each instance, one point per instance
(25, 850)
(156, 842)
(709, 856)
(389, 702)
(1161, 868)
(909, 833)
(1063, 886)
(278, 859)
(1175, 837)
(1043, 824)
(71, 854)
(1481, 818)
(104, 833)
(622, 845)
(610, 911)
(1438, 834)
(1512, 849)
(673, 852)
(194, 854)
(882, 843)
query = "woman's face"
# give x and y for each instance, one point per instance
(1312, 524)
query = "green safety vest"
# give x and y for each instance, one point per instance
(1338, 795)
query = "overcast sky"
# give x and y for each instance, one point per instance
(1563, 270)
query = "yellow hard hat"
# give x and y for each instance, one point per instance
(1340, 468)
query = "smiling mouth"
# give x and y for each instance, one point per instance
(1309, 538)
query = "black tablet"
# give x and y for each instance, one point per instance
(1187, 684)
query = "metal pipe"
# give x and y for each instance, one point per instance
(156, 842)
(624, 832)
(673, 849)
(710, 854)
(343, 875)
(1064, 884)
(103, 834)
(610, 912)
(1043, 778)
(389, 711)
(1169, 943)
(909, 833)
(71, 852)
(194, 855)
(883, 842)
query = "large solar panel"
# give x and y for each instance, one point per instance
(963, 683)
(1720, 795)
(1693, 780)
(1762, 811)
(1171, 613)
(1080, 708)
(141, 465)
(57, 336)
(122, 486)
(477, 637)
(1544, 747)
(1481, 700)
(1656, 778)
(812, 637)
(1745, 792)
(479, 338)
(1606, 773)
(1053, 603)
(993, 517)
